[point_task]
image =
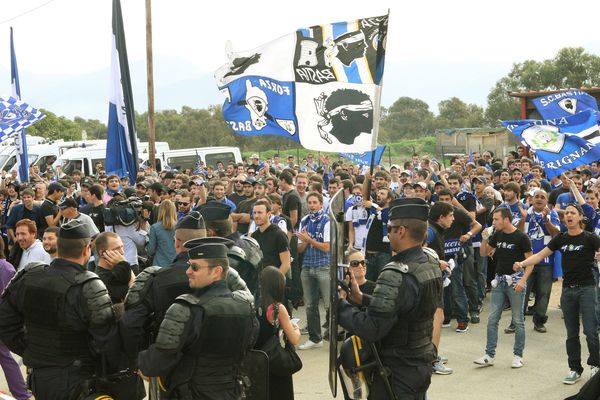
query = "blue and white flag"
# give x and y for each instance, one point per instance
(319, 86)
(21, 138)
(564, 104)
(559, 148)
(15, 116)
(364, 158)
(121, 144)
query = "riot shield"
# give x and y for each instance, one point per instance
(336, 228)
(255, 375)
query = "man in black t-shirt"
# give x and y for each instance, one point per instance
(51, 214)
(578, 249)
(462, 299)
(271, 239)
(290, 200)
(507, 245)
(95, 206)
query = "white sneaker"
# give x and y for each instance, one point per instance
(517, 362)
(486, 361)
(593, 371)
(571, 378)
(309, 344)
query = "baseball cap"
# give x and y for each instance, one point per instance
(254, 156)
(158, 187)
(480, 179)
(407, 172)
(394, 166)
(69, 202)
(56, 186)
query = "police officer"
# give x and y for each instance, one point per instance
(248, 254)
(205, 334)
(401, 327)
(155, 289)
(54, 315)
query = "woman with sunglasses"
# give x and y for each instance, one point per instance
(358, 266)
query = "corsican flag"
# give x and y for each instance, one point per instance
(21, 139)
(121, 144)
(364, 158)
(564, 104)
(319, 86)
(559, 148)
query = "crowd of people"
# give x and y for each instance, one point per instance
(188, 263)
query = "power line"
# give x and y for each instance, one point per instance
(26, 12)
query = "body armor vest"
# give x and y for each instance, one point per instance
(227, 333)
(410, 338)
(51, 341)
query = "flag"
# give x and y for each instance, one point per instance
(564, 104)
(365, 157)
(559, 148)
(121, 144)
(15, 116)
(319, 86)
(198, 164)
(21, 138)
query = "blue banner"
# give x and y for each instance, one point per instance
(319, 86)
(121, 143)
(365, 157)
(564, 104)
(21, 139)
(559, 148)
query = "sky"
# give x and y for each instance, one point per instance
(435, 49)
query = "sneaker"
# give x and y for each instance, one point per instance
(442, 359)
(440, 369)
(593, 371)
(510, 328)
(571, 378)
(517, 362)
(539, 328)
(462, 327)
(475, 318)
(446, 323)
(304, 331)
(485, 361)
(309, 344)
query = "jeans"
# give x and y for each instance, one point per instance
(315, 282)
(540, 281)
(481, 273)
(455, 298)
(597, 296)
(13, 375)
(575, 301)
(469, 282)
(496, 305)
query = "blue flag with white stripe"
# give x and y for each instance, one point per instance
(21, 138)
(319, 86)
(121, 144)
(564, 104)
(365, 157)
(561, 147)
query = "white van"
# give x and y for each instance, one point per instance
(83, 159)
(182, 159)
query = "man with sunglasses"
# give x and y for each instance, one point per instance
(54, 315)
(399, 314)
(155, 288)
(205, 334)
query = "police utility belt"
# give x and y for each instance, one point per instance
(511, 280)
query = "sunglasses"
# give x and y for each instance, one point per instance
(181, 203)
(195, 267)
(356, 263)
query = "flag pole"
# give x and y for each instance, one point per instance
(150, 85)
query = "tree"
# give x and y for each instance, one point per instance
(455, 113)
(94, 128)
(54, 127)
(408, 118)
(572, 67)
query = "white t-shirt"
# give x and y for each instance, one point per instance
(358, 216)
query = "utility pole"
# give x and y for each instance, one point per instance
(150, 82)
